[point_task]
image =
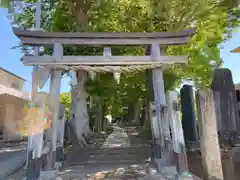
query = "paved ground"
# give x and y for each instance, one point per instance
(119, 156)
(12, 157)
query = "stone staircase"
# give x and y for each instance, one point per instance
(120, 155)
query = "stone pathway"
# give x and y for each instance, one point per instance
(121, 156)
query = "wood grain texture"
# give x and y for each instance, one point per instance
(161, 107)
(61, 125)
(177, 132)
(175, 121)
(29, 37)
(101, 60)
(54, 96)
(37, 138)
(40, 41)
(93, 35)
(54, 103)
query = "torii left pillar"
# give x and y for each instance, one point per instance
(34, 152)
(54, 103)
(60, 136)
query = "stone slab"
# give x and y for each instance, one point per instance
(58, 165)
(188, 176)
(168, 171)
(48, 175)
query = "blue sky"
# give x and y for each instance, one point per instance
(10, 59)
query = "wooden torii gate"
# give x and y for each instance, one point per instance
(108, 63)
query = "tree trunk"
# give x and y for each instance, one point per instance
(103, 117)
(136, 111)
(100, 115)
(146, 124)
(143, 112)
(80, 119)
(130, 115)
(149, 98)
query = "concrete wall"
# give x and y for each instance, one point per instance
(237, 86)
(11, 81)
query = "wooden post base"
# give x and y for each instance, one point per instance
(156, 149)
(34, 167)
(59, 154)
(49, 160)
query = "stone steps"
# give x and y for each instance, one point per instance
(118, 157)
(121, 149)
(107, 162)
(109, 153)
(125, 156)
(133, 172)
(97, 147)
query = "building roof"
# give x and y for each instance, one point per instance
(11, 73)
(236, 50)
(12, 92)
(237, 86)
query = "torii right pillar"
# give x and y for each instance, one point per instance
(165, 164)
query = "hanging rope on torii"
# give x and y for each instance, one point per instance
(104, 64)
(108, 69)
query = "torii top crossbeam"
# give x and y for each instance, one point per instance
(106, 63)
(103, 38)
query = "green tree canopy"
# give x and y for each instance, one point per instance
(214, 21)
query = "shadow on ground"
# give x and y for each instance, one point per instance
(119, 155)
